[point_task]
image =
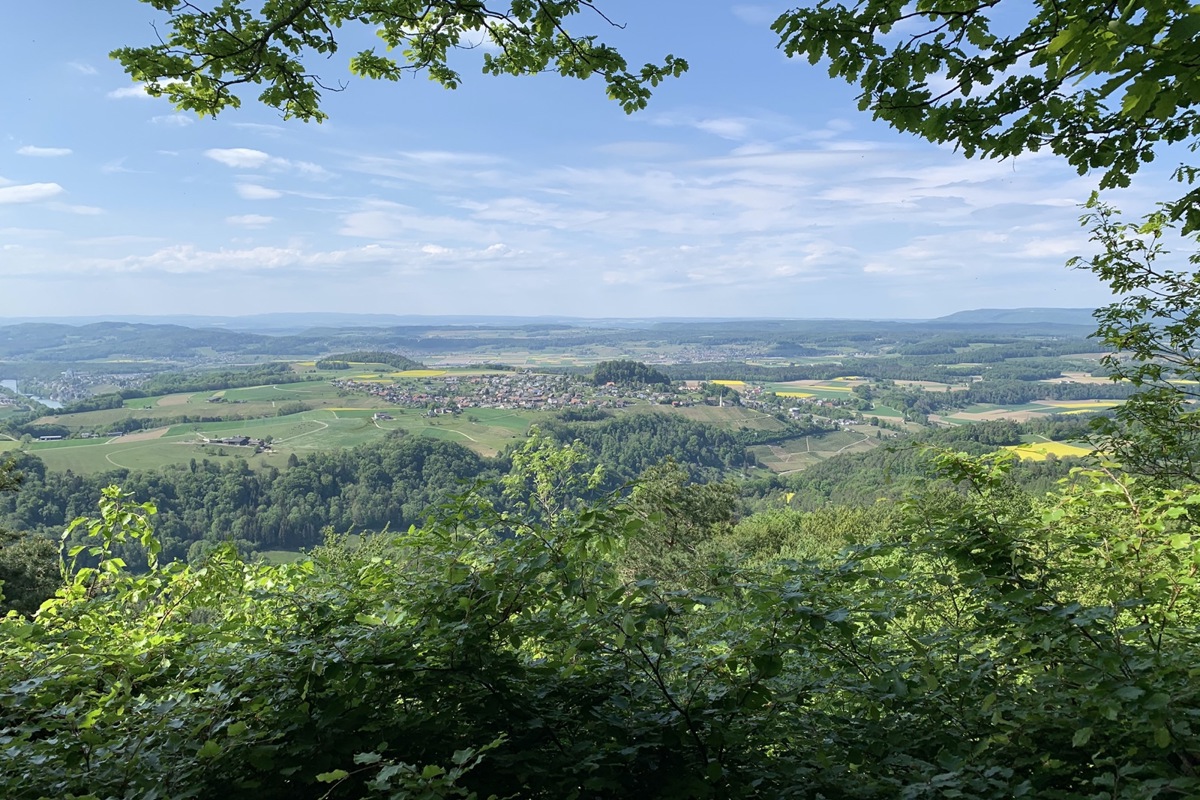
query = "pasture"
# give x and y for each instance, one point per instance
(486, 431)
(794, 455)
(247, 403)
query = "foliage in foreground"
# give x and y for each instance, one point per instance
(997, 648)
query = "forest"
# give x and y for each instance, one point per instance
(605, 609)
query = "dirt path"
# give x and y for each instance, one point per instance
(451, 430)
(323, 425)
(852, 444)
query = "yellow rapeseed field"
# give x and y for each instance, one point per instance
(421, 373)
(1037, 451)
(729, 383)
(794, 394)
(1082, 405)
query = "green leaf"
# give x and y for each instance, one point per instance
(333, 776)
(1081, 737)
(210, 749)
(768, 664)
(1162, 737)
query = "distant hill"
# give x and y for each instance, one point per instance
(1019, 316)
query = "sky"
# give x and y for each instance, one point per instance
(750, 187)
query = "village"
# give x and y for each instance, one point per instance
(524, 390)
(533, 391)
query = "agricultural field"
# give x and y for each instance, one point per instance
(837, 389)
(248, 403)
(797, 454)
(1040, 451)
(985, 412)
(486, 431)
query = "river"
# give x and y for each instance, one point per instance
(11, 385)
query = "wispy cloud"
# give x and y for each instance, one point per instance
(725, 127)
(250, 220)
(188, 258)
(756, 14)
(43, 152)
(180, 120)
(239, 157)
(253, 191)
(83, 68)
(75, 208)
(126, 92)
(136, 91)
(247, 158)
(29, 192)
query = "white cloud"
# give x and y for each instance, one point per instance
(239, 157)
(246, 158)
(173, 120)
(755, 14)
(250, 220)
(71, 208)
(29, 192)
(138, 90)
(187, 259)
(117, 165)
(266, 130)
(252, 191)
(82, 68)
(43, 152)
(725, 127)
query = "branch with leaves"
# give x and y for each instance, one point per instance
(209, 52)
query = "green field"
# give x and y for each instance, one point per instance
(486, 431)
(797, 454)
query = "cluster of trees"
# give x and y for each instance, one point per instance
(369, 357)
(630, 444)
(989, 362)
(373, 487)
(629, 373)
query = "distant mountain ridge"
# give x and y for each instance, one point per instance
(1020, 316)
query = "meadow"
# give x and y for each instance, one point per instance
(794, 455)
(486, 431)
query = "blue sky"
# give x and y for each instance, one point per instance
(751, 186)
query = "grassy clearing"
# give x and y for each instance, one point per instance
(278, 557)
(794, 455)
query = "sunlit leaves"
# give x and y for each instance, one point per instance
(985, 647)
